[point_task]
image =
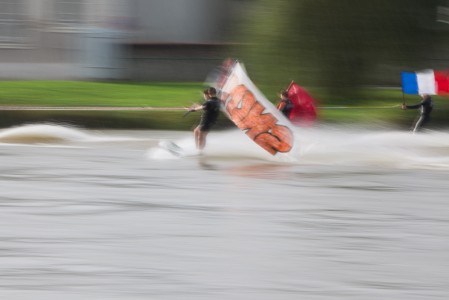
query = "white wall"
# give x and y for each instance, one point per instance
(56, 51)
(180, 21)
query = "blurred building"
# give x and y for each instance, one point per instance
(114, 39)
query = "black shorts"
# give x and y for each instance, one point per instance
(206, 126)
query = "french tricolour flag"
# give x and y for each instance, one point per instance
(428, 82)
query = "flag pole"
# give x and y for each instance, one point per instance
(402, 88)
(291, 82)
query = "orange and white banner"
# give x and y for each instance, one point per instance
(257, 117)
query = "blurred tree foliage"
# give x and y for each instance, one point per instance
(339, 44)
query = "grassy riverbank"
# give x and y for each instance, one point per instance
(376, 106)
(82, 93)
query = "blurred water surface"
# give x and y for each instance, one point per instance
(357, 214)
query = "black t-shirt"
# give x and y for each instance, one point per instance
(211, 111)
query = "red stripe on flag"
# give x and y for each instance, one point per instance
(441, 82)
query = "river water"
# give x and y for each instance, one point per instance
(355, 214)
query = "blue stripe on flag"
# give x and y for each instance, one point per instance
(409, 83)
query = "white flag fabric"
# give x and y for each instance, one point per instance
(255, 115)
(426, 82)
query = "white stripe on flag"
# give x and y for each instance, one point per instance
(426, 82)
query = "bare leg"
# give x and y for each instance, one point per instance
(197, 134)
(200, 138)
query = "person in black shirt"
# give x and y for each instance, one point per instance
(285, 105)
(426, 106)
(211, 111)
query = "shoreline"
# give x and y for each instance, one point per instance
(91, 108)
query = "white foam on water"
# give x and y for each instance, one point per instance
(54, 134)
(331, 146)
(350, 146)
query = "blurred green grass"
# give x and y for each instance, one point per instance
(82, 93)
(372, 106)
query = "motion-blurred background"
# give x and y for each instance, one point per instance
(332, 44)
